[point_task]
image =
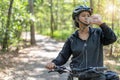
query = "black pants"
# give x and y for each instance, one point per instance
(101, 77)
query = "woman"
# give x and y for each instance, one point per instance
(86, 44)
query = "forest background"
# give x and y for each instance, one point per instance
(52, 18)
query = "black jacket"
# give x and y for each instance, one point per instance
(87, 53)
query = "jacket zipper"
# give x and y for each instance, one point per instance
(85, 51)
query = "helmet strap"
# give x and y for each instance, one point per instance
(84, 23)
(78, 20)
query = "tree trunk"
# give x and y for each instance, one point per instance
(32, 30)
(98, 10)
(74, 3)
(6, 38)
(111, 49)
(56, 20)
(52, 21)
(91, 4)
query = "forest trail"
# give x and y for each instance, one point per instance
(30, 62)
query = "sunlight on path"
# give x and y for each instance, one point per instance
(30, 64)
(47, 47)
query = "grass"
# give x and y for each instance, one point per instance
(59, 35)
(63, 35)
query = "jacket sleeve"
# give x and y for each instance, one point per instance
(64, 54)
(108, 36)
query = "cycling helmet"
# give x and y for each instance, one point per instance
(80, 9)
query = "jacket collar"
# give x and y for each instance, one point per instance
(91, 30)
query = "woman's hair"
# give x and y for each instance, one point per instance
(76, 23)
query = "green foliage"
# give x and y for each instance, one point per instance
(117, 32)
(62, 35)
(62, 17)
(19, 20)
(62, 11)
(117, 68)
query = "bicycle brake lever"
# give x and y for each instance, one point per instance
(50, 71)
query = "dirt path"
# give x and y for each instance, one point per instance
(29, 65)
(29, 62)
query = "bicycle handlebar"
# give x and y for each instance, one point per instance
(63, 69)
(90, 68)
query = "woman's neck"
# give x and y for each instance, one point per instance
(84, 29)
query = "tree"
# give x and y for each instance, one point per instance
(52, 19)
(98, 10)
(56, 13)
(74, 3)
(91, 4)
(6, 38)
(111, 49)
(32, 30)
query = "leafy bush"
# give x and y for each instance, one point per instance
(61, 35)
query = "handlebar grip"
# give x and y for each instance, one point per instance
(59, 69)
(50, 71)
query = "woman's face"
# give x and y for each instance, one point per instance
(83, 16)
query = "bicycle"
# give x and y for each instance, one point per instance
(76, 74)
